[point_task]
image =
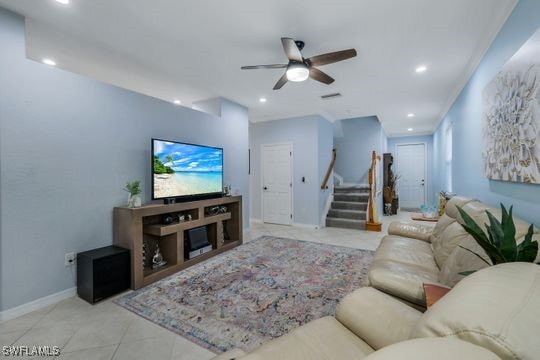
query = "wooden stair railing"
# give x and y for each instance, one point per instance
(373, 223)
(324, 184)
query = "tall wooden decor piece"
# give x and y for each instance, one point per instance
(373, 223)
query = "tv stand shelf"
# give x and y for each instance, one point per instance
(162, 230)
(135, 226)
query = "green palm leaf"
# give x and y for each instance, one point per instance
(528, 249)
(508, 243)
(476, 232)
(500, 242)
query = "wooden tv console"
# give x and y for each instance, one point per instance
(133, 226)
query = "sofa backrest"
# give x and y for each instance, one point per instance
(449, 238)
(497, 308)
(448, 233)
(477, 211)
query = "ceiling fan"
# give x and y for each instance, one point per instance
(300, 68)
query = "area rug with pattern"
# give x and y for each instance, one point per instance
(253, 293)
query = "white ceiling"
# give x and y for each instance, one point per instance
(193, 49)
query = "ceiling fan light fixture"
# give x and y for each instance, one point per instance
(297, 72)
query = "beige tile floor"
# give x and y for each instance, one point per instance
(106, 331)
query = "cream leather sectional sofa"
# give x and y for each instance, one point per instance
(492, 314)
(413, 254)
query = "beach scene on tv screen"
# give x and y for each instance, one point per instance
(182, 169)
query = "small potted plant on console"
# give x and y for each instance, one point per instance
(134, 190)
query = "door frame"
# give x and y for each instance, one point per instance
(426, 180)
(290, 144)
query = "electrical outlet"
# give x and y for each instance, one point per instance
(69, 259)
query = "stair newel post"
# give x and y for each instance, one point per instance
(373, 223)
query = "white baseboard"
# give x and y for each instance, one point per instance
(306, 226)
(37, 304)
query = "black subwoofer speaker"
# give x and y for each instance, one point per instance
(102, 273)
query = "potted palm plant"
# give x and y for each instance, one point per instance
(134, 193)
(499, 242)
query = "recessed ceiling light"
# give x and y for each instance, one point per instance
(63, 2)
(421, 69)
(410, 115)
(48, 61)
(263, 100)
(410, 129)
(177, 102)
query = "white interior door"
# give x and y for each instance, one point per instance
(277, 183)
(412, 169)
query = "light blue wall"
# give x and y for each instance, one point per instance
(354, 140)
(303, 133)
(325, 136)
(466, 116)
(428, 140)
(68, 144)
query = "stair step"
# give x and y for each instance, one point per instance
(351, 197)
(347, 205)
(351, 189)
(346, 223)
(347, 214)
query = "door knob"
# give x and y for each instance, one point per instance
(265, 188)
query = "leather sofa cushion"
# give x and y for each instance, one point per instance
(461, 260)
(477, 211)
(433, 348)
(404, 281)
(452, 204)
(410, 230)
(407, 251)
(321, 339)
(380, 320)
(497, 308)
(451, 237)
(441, 224)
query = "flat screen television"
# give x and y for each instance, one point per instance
(186, 171)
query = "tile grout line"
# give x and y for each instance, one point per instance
(34, 325)
(122, 338)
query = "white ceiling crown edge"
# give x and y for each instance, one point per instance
(476, 59)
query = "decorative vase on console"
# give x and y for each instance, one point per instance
(134, 193)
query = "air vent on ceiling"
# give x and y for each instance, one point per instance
(330, 96)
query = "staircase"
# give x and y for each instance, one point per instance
(348, 210)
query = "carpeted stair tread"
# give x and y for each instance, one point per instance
(348, 205)
(352, 197)
(346, 223)
(346, 189)
(347, 214)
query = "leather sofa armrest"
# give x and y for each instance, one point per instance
(433, 348)
(410, 230)
(377, 318)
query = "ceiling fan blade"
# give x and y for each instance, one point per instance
(291, 50)
(318, 75)
(282, 81)
(273, 66)
(332, 57)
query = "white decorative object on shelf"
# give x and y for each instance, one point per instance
(512, 118)
(134, 201)
(134, 193)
